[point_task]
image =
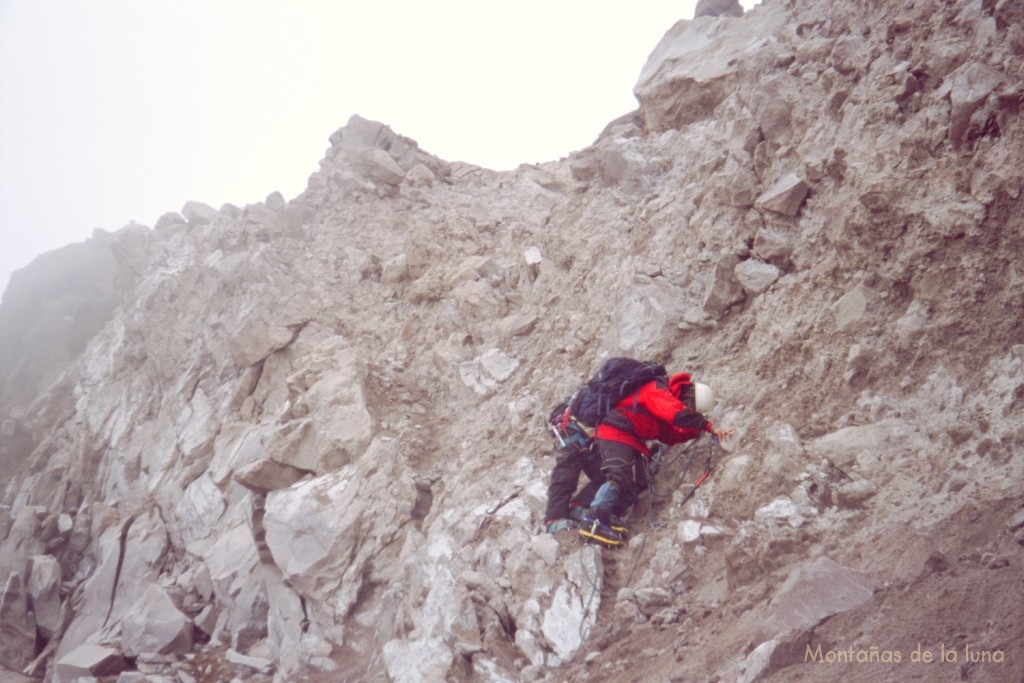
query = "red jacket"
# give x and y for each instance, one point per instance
(653, 413)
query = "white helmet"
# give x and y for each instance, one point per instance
(704, 398)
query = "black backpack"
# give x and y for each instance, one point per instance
(574, 420)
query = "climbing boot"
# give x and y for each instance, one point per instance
(553, 525)
(592, 529)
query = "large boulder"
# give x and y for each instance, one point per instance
(332, 424)
(89, 662)
(198, 213)
(574, 605)
(131, 557)
(44, 588)
(324, 533)
(723, 289)
(155, 625)
(814, 591)
(648, 317)
(784, 197)
(756, 276)
(418, 661)
(870, 446)
(698, 64)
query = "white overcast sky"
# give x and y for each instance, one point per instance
(114, 111)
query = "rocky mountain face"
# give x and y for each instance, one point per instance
(304, 440)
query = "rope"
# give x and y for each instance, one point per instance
(585, 629)
(708, 469)
(652, 472)
(636, 561)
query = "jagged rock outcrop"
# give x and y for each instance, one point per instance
(306, 440)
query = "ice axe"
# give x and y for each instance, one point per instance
(709, 467)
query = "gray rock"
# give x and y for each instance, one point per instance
(395, 270)
(616, 164)
(485, 373)
(723, 290)
(736, 185)
(197, 213)
(7, 676)
(377, 166)
(695, 67)
(155, 624)
(850, 54)
(267, 475)
(972, 85)
(360, 133)
(855, 493)
(420, 176)
(418, 661)
(144, 548)
(169, 220)
(812, 592)
(275, 200)
(649, 598)
(335, 426)
(1016, 521)
(132, 677)
(647, 314)
(246, 622)
(625, 168)
(854, 306)
(863, 444)
(206, 620)
(254, 339)
(718, 8)
(465, 630)
(756, 276)
(292, 220)
(773, 246)
(473, 268)
(258, 664)
(325, 532)
(44, 589)
(517, 324)
(859, 361)
(575, 602)
(230, 558)
(90, 660)
(781, 509)
(545, 547)
(688, 530)
(784, 197)
(488, 670)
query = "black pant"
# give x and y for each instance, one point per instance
(625, 468)
(565, 477)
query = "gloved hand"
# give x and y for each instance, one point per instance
(722, 434)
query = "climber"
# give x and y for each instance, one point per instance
(671, 413)
(564, 509)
